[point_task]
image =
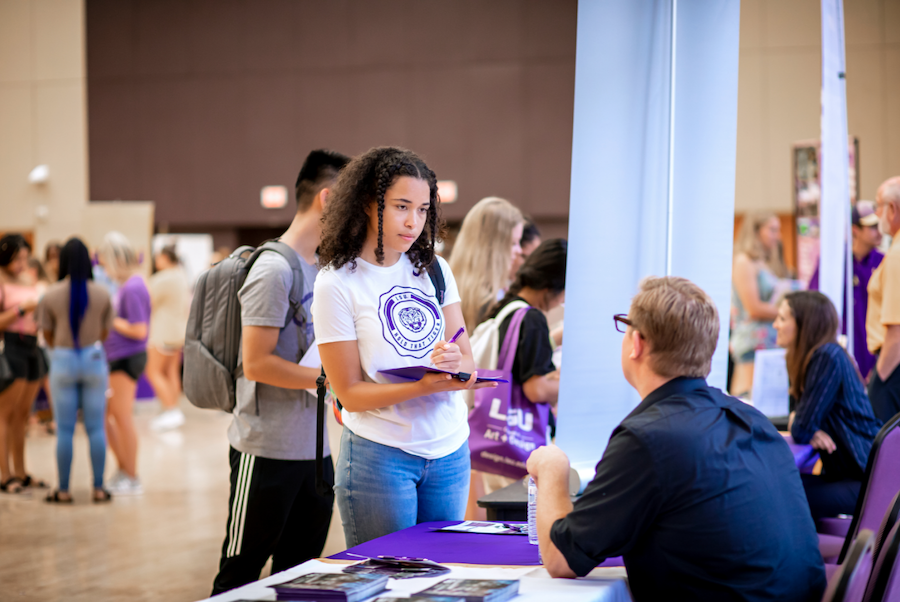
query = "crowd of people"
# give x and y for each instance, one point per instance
(378, 296)
(839, 398)
(76, 334)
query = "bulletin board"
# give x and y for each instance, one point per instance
(806, 157)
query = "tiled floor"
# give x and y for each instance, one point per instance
(162, 545)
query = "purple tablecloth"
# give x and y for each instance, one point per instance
(422, 541)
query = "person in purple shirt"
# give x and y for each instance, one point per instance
(866, 257)
(126, 351)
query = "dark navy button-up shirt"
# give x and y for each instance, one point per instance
(834, 400)
(700, 495)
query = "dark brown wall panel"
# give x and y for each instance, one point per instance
(197, 104)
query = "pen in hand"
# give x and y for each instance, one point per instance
(453, 340)
(458, 334)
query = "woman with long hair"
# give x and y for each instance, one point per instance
(758, 266)
(483, 255)
(831, 410)
(169, 293)
(540, 285)
(18, 300)
(76, 316)
(404, 455)
(126, 351)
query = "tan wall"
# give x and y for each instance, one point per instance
(43, 107)
(42, 116)
(778, 95)
(43, 120)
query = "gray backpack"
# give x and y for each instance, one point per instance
(212, 340)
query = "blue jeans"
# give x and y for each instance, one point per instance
(382, 489)
(79, 379)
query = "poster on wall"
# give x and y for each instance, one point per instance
(807, 157)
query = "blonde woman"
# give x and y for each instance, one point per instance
(758, 268)
(126, 351)
(170, 299)
(483, 255)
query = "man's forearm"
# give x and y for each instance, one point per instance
(553, 504)
(279, 372)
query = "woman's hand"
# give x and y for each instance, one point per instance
(822, 441)
(438, 382)
(447, 356)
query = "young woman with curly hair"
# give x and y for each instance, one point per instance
(404, 454)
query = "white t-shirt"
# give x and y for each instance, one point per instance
(394, 316)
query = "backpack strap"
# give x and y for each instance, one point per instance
(295, 297)
(437, 279)
(323, 487)
(508, 309)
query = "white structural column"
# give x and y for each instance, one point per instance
(652, 193)
(834, 253)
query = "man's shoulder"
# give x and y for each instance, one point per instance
(270, 261)
(892, 257)
(675, 416)
(269, 267)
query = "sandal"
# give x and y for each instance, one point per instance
(30, 481)
(101, 496)
(12, 485)
(55, 498)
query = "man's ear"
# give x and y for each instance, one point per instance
(322, 198)
(638, 345)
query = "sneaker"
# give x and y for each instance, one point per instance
(170, 419)
(113, 480)
(125, 486)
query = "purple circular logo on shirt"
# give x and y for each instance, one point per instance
(411, 321)
(413, 318)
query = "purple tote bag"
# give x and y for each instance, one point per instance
(505, 427)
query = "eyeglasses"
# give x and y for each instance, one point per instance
(622, 322)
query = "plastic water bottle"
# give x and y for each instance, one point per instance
(532, 512)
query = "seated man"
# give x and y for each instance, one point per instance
(696, 490)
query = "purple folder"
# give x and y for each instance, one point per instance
(417, 372)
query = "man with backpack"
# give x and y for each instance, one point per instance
(274, 508)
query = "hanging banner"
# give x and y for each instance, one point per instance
(655, 121)
(834, 208)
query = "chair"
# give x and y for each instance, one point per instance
(849, 583)
(884, 584)
(880, 484)
(887, 523)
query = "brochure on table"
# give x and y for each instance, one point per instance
(536, 585)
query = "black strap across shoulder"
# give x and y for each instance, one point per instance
(437, 279)
(323, 487)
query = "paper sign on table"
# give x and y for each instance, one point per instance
(770, 383)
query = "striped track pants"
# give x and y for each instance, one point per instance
(274, 510)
